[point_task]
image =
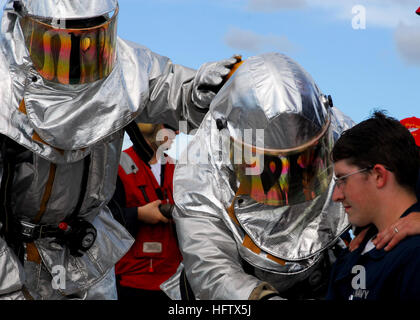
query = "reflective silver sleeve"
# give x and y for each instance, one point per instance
(212, 262)
(209, 248)
(170, 94)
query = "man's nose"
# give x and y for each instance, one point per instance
(337, 194)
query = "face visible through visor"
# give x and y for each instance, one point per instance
(283, 177)
(71, 51)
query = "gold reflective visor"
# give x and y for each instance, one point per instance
(73, 55)
(285, 177)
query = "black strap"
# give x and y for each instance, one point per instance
(185, 288)
(162, 174)
(160, 191)
(31, 232)
(159, 194)
(143, 191)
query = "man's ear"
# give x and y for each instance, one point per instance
(381, 175)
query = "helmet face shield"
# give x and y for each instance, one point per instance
(75, 55)
(284, 178)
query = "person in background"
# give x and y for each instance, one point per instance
(143, 186)
(376, 164)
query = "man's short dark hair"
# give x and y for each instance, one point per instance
(381, 140)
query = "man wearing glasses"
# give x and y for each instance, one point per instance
(376, 165)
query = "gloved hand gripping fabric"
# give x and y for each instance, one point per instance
(209, 79)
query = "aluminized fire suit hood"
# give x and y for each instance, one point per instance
(65, 116)
(273, 93)
(64, 9)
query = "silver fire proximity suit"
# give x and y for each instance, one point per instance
(260, 225)
(67, 91)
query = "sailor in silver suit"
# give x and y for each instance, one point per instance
(69, 86)
(254, 214)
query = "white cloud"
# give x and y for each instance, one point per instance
(407, 39)
(253, 42)
(397, 15)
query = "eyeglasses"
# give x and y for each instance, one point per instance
(339, 182)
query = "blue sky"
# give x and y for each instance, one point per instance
(363, 69)
(363, 66)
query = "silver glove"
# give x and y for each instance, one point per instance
(209, 79)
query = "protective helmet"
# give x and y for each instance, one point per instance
(276, 114)
(70, 42)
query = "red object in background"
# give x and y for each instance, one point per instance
(413, 125)
(418, 11)
(154, 257)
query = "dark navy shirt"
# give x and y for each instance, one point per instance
(377, 274)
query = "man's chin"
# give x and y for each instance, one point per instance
(358, 223)
(353, 219)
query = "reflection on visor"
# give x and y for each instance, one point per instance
(71, 56)
(287, 179)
